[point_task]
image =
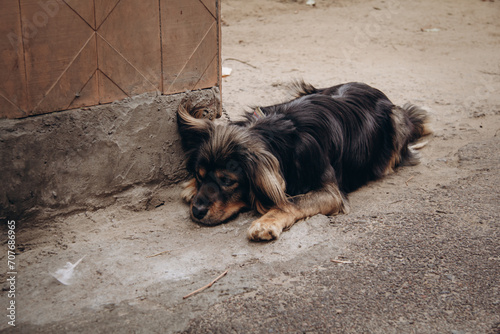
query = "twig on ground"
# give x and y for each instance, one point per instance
(206, 286)
(490, 73)
(341, 261)
(158, 254)
(241, 61)
(165, 252)
(409, 180)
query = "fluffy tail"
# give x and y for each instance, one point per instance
(300, 88)
(419, 121)
(410, 124)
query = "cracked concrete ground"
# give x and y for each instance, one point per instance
(419, 252)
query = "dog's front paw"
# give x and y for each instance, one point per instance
(263, 231)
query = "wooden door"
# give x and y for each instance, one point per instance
(57, 55)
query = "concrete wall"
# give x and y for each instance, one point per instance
(83, 159)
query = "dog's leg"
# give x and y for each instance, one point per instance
(328, 201)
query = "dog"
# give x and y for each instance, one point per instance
(296, 159)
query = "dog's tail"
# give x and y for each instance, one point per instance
(300, 88)
(419, 121)
(410, 123)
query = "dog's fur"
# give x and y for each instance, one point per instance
(296, 159)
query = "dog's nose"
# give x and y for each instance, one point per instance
(199, 211)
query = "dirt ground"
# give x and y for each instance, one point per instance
(420, 248)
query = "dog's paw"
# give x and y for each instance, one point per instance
(263, 231)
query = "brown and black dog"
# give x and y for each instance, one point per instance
(296, 159)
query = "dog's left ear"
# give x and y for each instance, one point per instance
(193, 130)
(267, 184)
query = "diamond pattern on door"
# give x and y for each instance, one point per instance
(130, 54)
(189, 34)
(60, 46)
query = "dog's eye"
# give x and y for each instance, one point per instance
(227, 182)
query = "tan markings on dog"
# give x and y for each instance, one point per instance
(272, 184)
(202, 172)
(418, 146)
(223, 138)
(327, 201)
(191, 121)
(258, 205)
(189, 190)
(220, 212)
(403, 128)
(267, 178)
(224, 174)
(270, 225)
(402, 131)
(234, 208)
(220, 173)
(421, 119)
(427, 128)
(393, 162)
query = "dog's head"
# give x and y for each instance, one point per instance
(231, 170)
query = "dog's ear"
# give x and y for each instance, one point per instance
(193, 129)
(266, 183)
